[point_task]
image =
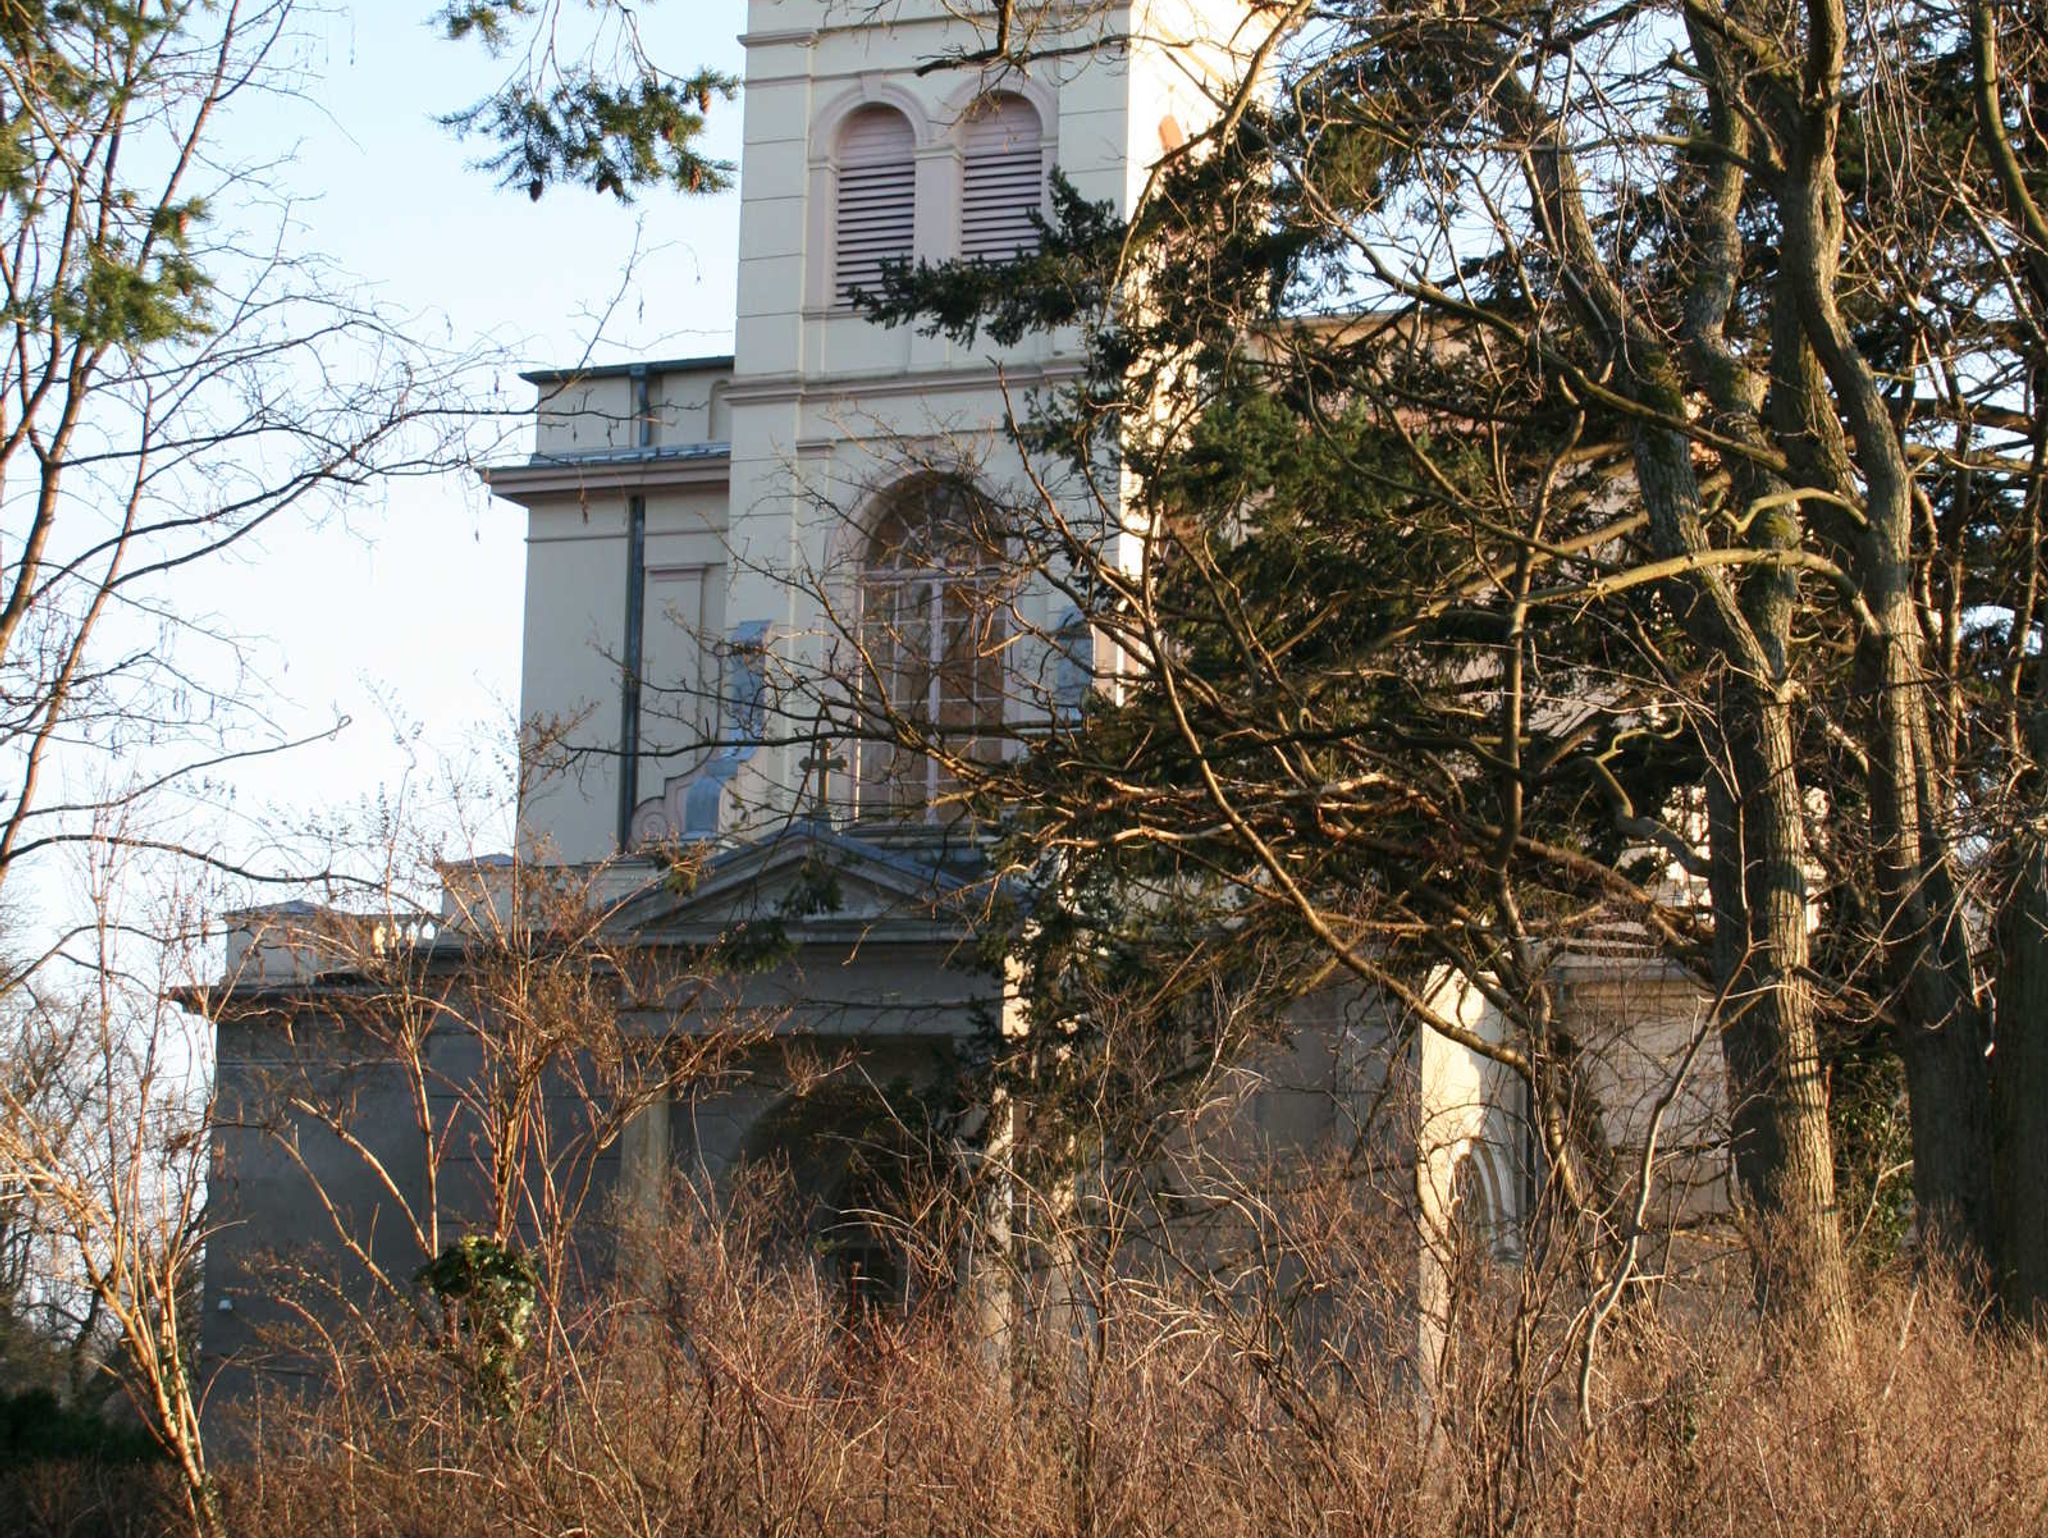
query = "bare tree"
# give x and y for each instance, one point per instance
(174, 379)
(1551, 470)
(459, 1062)
(103, 1144)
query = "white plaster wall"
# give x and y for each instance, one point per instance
(682, 628)
(594, 413)
(585, 416)
(827, 407)
(681, 406)
(569, 674)
(821, 407)
(1640, 1020)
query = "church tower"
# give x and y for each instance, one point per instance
(715, 531)
(858, 150)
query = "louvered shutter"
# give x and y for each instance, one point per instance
(1004, 180)
(877, 198)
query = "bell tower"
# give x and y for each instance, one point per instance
(894, 131)
(702, 532)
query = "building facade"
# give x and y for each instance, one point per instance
(708, 539)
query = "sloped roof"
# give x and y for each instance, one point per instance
(824, 885)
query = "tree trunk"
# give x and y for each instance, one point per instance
(987, 1280)
(1757, 859)
(1778, 1111)
(2019, 1064)
(2019, 1067)
(1758, 853)
(1927, 965)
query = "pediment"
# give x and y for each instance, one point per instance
(813, 879)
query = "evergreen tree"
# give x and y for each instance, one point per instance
(1585, 473)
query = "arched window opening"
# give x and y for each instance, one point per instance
(877, 213)
(1003, 182)
(849, 1175)
(931, 627)
(1479, 1232)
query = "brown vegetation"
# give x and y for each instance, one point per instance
(748, 1400)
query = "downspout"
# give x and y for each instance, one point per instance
(636, 603)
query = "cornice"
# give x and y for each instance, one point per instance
(583, 475)
(774, 36)
(776, 389)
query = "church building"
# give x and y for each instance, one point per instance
(704, 535)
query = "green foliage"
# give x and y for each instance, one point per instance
(1063, 282)
(488, 1291)
(488, 21)
(569, 122)
(1867, 1111)
(616, 139)
(35, 1424)
(761, 944)
(133, 301)
(117, 268)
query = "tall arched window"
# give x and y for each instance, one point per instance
(854, 1160)
(1003, 180)
(876, 217)
(931, 625)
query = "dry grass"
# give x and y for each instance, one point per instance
(88, 1498)
(744, 1401)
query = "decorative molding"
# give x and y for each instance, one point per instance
(621, 471)
(903, 453)
(783, 387)
(869, 89)
(775, 35)
(1004, 81)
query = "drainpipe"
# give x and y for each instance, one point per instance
(636, 604)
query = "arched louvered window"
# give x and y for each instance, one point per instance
(877, 212)
(932, 627)
(1003, 183)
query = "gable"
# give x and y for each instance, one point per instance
(822, 885)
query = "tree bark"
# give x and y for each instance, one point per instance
(2019, 1063)
(1757, 847)
(2020, 1067)
(1778, 1107)
(1757, 858)
(1938, 1022)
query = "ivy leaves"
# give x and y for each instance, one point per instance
(488, 1291)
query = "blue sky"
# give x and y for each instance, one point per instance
(412, 608)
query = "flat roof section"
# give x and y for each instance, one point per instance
(709, 363)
